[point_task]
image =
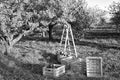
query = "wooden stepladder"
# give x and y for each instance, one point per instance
(68, 40)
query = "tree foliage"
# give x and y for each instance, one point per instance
(75, 13)
(96, 15)
(15, 22)
(20, 17)
(115, 11)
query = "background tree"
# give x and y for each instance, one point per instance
(101, 21)
(114, 9)
(75, 14)
(96, 16)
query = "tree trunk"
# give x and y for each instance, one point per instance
(8, 45)
(8, 49)
(43, 34)
(50, 32)
(117, 28)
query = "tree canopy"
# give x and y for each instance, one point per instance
(20, 17)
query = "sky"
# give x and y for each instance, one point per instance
(102, 4)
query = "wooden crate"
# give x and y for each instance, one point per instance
(56, 71)
(79, 65)
(94, 66)
(67, 61)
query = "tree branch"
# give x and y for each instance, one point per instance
(14, 41)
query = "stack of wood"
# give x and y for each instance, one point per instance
(75, 65)
(79, 66)
(67, 61)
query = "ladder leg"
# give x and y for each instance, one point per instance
(62, 37)
(66, 40)
(73, 42)
(69, 46)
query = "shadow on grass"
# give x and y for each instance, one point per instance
(51, 58)
(37, 68)
(46, 39)
(98, 45)
(77, 42)
(34, 68)
(14, 73)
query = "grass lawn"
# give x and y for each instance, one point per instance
(28, 58)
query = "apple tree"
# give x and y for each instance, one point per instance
(16, 21)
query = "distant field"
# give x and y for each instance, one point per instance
(101, 33)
